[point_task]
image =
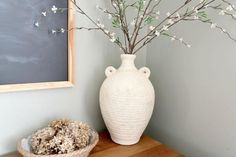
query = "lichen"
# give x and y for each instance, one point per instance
(60, 137)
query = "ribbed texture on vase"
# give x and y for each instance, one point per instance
(126, 102)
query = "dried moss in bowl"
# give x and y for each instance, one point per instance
(60, 137)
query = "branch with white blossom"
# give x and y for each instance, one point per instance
(100, 26)
(135, 36)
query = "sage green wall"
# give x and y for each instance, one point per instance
(24, 112)
(195, 107)
(195, 88)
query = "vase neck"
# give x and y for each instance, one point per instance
(127, 62)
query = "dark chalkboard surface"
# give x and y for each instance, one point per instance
(30, 54)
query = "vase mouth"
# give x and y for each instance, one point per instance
(130, 56)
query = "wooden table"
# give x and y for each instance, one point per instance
(147, 147)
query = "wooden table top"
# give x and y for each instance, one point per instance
(147, 147)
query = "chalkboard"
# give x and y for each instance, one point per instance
(32, 50)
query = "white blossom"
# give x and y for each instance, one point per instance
(151, 28)
(36, 24)
(157, 17)
(170, 21)
(165, 28)
(206, 6)
(178, 15)
(213, 25)
(106, 31)
(133, 22)
(54, 31)
(157, 33)
(189, 46)
(195, 17)
(158, 12)
(222, 12)
(62, 30)
(113, 39)
(181, 40)
(114, 4)
(109, 16)
(168, 14)
(102, 26)
(201, 1)
(54, 9)
(173, 38)
(44, 13)
(148, 37)
(113, 34)
(229, 8)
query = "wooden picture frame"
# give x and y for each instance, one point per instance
(71, 56)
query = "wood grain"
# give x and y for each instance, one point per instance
(34, 86)
(147, 147)
(71, 56)
(71, 42)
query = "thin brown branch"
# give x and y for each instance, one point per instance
(154, 7)
(226, 13)
(85, 28)
(138, 26)
(187, 13)
(124, 26)
(90, 19)
(220, 28)
(136, 23)
(108, 12)
(132, 43)
(163, 21)
(230, 4)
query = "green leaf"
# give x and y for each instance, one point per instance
(202, 15)
(117, 40)
(148, 20)
(115, 23)
(141, 4)
(166, 34)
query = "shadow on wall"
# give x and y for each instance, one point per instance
(92, 104)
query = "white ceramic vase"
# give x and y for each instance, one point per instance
(126, 100)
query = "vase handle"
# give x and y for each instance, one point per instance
(110, 71)
(146, 71)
